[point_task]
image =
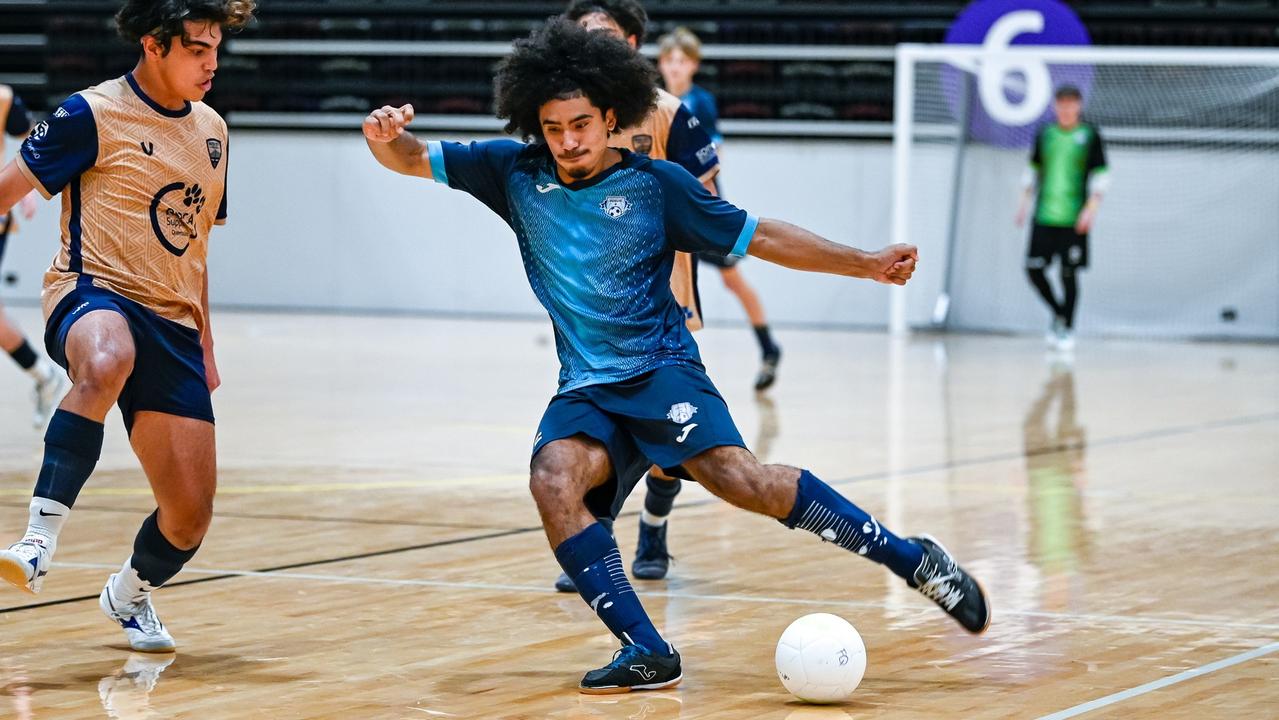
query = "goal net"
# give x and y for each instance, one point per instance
(1186, 242)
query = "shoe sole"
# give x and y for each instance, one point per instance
(630, 688)
(639, 574)
(985, 595)
(15, 573)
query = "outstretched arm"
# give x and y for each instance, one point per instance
(794, 247)
(14, 186)
(394, 147)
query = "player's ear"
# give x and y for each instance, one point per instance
(151, 47)
(610, 120)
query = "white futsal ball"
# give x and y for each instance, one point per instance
(821, 658)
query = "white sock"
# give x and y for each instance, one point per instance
(42, 371)
(45, 521)
(126, 586)
(652, 520)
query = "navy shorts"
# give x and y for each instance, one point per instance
(722, 262)
(168, 366)
(661, 418)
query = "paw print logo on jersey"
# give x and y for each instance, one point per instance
(174, 210)
(194, 198)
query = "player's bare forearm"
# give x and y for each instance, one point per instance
(405, 155)
(211, 375)
(796, 248)
(386, 131)
(13, 187)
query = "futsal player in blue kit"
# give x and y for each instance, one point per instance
(597, 228)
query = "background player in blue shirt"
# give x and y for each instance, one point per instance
(597, 228)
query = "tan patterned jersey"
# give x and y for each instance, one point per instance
(141, 187)
(671, 132)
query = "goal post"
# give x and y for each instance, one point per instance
(1192, 139)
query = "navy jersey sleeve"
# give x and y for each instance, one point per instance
(697, 221)
(689, 146)
(707, 113)
(60, 148)
(480, 169)
(19, 121)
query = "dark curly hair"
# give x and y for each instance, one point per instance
(560, 60)
(163, 19)
(628, 14)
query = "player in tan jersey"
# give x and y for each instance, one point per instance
(669, 132)
(16, 121)
(140, 163)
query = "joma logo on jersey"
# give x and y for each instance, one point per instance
(615, 206)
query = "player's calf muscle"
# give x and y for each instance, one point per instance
(734, 475)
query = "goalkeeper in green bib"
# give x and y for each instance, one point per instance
(1068, 168)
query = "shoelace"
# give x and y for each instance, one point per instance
(942, 591)
(622, 656)
(145, 615)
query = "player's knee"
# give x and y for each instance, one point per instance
(550, 484)
(104, 368)
(187, 525)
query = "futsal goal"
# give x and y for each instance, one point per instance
(1186, 243)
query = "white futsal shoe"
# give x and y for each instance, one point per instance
(141, 625)
(25, 564)
(46, 395)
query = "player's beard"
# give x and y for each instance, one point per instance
(577, 172)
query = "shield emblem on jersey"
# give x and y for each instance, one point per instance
(681, 413)
(215, 150)
(643, 144)
(615, 206)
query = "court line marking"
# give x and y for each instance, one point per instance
(1163, 682)
(496, 479)
(1231, 422)
(681, 595)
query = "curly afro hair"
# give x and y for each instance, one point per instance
(628, 14)
(164, 19)
(561, 60)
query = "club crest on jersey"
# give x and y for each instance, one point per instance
(681, 413)
(643, 144)
(615, 206)
(215, 150)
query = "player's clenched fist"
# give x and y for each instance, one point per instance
(387, 123)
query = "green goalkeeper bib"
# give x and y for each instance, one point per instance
(1064, 159)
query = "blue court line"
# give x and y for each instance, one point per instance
(1163, 683)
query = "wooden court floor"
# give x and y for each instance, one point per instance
(376, 553)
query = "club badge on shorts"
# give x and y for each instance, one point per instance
(681, 413)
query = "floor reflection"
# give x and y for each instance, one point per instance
(1056, 476)
(126, 693)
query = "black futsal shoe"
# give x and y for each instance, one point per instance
(768, 371)
(651, 559)
(940, 579)
(565, 584)
(634, 668)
